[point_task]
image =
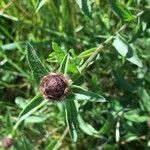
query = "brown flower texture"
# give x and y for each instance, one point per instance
(7, 142)
(54, 86)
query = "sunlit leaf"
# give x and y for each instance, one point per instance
(81, 94)
(148, 144)
(121, 10)
(59, 53)
(35, 119)
(51, 145)
(87, 53)
(135, 116)
(41, 4)
(85, 6)
(126, 51)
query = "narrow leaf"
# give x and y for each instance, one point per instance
(136, 32)
(145, 99)
(107, 126)
(35, 63)
(31, 107)
(85, 6)
(121, 10)
(33, 103)
(71, 118)
(42, 3)
(87, 53)
(61, 56)
(82, 94)
(87, 128)
(126, 51)
(135, 116)
(51, 145)
(9, 123)
(64, 64)
(59, 53)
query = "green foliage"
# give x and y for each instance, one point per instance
(121, 10)
(102, 47)
(35, 64)
(71, 117)
(126, 51)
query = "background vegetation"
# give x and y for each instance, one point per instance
(120, 72)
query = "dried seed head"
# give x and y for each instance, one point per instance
(7, 142)
(54, 86)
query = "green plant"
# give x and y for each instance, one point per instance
(76, 92)
(104, 48)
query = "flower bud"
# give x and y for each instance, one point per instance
(54, 86)
(7, 142)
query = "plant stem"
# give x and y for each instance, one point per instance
(100, 47)
(104, 44)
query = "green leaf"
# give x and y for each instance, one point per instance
(20, 102)
(42, 3)
(32, 104)
(51, 145)
(145, 19)
(130, 137)
(35, 64)
(61, 56)
(9, 123)
(87, 128)
(126, 51)
(85, 6)
(148, 143)
(82, 94)
(71, 118)
(135, 116)
(11, 46)
(59, 53)
(64, 64)
(108, 125)
(145, 99)
(35, 119)
(31, 107)
(87, 53)
(72, 66)
(136, 32)
(121, 10)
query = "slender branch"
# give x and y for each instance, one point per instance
(100, 47)
(7, 5)
(103, 45)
